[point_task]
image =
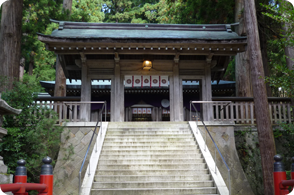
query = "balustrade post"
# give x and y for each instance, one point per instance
(21, 176)
(46, 176)
(279, 175)
(292, 168)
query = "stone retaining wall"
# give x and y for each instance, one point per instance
(223, 134)
(75, 140)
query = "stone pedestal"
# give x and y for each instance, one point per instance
(4, 110)
(3, 167)
(4, 177)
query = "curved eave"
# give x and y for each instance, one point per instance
(5, 109)
(53, 39)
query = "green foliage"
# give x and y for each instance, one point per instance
(36, 16)
(284, 135)
(36, 19)
(249, 154)
(131, 11)
(281, 77)
(200, 11)
(282, 80)
(281, 11)
(31, 135)
(87, 11)
(230, 72)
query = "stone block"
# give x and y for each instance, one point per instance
(75, 174)
(78, 161)
(74, 130)
(71, 188)
(3, 167)
(79, 135)
(79, 147)
(87, 138)
(6, 178)
(85, 131)
(69, 168)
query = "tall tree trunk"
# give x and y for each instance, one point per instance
(242, 66)
(289, 50)
(60, 79)
(67, 5)
(21, 68)
(31, 64)
(10, 41)
(263, 48)
(264, 128)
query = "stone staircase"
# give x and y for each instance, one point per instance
(142, 158)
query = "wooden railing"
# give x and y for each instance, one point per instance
(242, 110)
(239, 110)
(68, 110)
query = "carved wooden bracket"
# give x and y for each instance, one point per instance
(209, 58)
(177, 58)
(83, 58)
(116, 58)
(78, 63)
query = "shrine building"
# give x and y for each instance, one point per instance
(151, 68)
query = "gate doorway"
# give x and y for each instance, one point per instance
(147, 104)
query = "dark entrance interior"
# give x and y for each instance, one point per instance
(144, 104)
(191, 92)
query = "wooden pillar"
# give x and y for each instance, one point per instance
(171, 98)
(176, 98)
(130, 114)
(85, 112)
(160, 114)
(207, 111)
(112, 101)
(117, 93)
(127, 114)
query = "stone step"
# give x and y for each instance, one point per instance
(137, 132)
(146, 139)
(149, 161)
(153, 143)
(124, 178)
(144, 124)
(149, 156)
(153, 184)
(152, 136)
(153, 172)
(149, 129)
(193, 166)
(150, 126)
(150, 147)
(159, 191)
(172, 151)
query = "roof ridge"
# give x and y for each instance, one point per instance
(150, 26)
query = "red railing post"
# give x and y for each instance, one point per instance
(46, 176)
(21, 176)
(279, 175)
(292, 168)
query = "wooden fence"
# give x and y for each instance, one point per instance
(241, 112)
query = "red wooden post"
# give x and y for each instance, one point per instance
(20, 172)
(279, 175)
(46, 176)
(21, 176)
(292, 169)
